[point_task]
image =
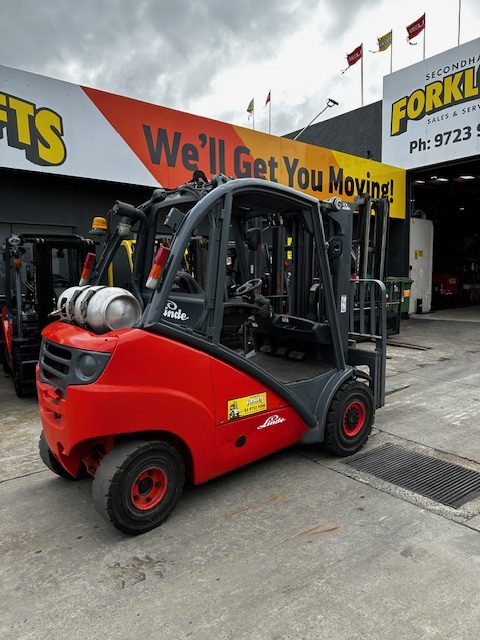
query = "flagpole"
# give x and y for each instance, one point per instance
(424, 33)
(459, 14)
(361, 75)
(270, 113)
(391, 52)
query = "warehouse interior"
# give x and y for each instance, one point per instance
(449, 196)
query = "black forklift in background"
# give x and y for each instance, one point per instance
(38, 267)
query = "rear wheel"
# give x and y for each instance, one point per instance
(349, 419)
(138, 484)
(50, 461)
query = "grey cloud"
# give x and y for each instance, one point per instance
(168, 52)
(164, 51)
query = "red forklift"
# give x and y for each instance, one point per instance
(250, 337)
(38, 267)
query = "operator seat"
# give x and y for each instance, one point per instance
(237, 312)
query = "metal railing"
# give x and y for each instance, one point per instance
(368, 324)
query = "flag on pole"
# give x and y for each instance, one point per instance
(269, 102)
(415, 28)
(384, 42)
(354, 57)
(250, 108)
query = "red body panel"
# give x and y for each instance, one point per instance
(261, 434)
(71, 336)
(229, 383)
(7, 327)
(153, 383)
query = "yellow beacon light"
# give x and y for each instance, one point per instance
(99, 226)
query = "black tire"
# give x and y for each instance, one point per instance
(23, 388)
(349, 419)
(138, 484)
(50, 461)
(3, 358)
(19, 385)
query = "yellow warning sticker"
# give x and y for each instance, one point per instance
(246, 406)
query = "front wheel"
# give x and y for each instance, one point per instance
(138, 484)
(349, 419)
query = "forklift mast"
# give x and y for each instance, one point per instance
(370, 237)
(38, 267)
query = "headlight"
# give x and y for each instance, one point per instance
(86, 366)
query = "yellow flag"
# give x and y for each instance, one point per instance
(250, 108)
(384, 41)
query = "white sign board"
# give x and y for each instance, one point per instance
(53, 126)
(431, 110)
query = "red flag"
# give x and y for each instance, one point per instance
(354, 57)
(268, 98)
(415, 28)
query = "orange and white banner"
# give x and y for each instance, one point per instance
(56, 127)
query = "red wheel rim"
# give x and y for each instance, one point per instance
(149, 488)
(354, 418)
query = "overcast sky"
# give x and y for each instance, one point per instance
(210, 57)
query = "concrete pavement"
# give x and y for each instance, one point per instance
(290, 547)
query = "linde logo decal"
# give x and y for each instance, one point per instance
(37, 131)
(172, 310)
(449, 90)
(271, 421)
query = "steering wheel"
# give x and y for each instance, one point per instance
(248, 286)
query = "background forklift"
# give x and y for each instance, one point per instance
(371, 218)
(38, 267)
(260, 353)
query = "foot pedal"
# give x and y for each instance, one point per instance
(296, 355)
(281, 351)
(266, 348)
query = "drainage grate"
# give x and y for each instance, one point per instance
(438, 480)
